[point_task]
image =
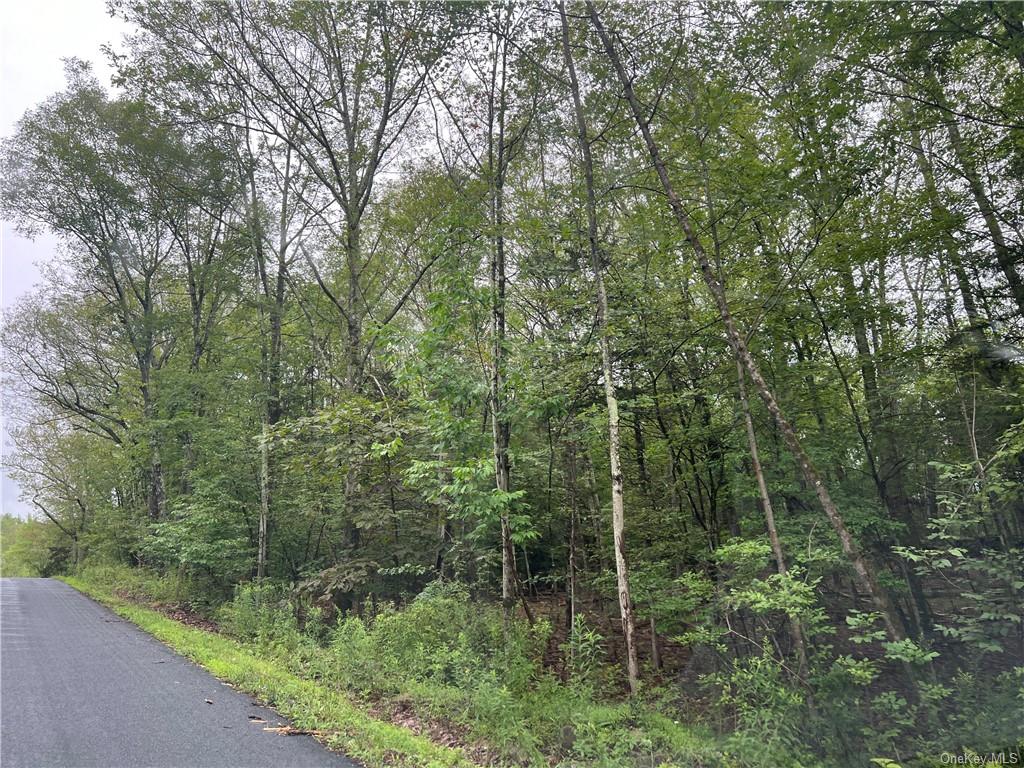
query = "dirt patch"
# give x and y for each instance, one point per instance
(180, 613)
(186, 616)
(401, 711)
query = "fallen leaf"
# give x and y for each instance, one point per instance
(287, 730)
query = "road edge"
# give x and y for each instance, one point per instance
(333, 719)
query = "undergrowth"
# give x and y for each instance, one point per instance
(309, 704)
(445, 659)
(451, 666)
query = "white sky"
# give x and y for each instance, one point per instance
(35, 35)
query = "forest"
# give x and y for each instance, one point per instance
(585, 383)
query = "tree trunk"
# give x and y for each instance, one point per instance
(570, 569)
(614, 442)
(1007, 260)
(796, 631)
(270, 310)
(865, 572)
(501, 429)
(884, 453)
(355, 304)
(943, 219)
(261, 548)
(155, 497)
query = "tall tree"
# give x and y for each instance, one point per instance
(604, 341)
(864, 570)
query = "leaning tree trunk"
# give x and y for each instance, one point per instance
(863, 570)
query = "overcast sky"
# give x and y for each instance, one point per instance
(34, 37)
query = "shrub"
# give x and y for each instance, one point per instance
(141, 583)
(262, 614)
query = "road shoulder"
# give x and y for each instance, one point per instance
(326, 714)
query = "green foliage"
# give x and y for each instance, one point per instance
(305, 324)
(768, 710)
(306, 703)
(261, 614)
(861, 672)
(786, 594)
(585, 654)
(865, 627)
(31, 548)
(165, 589)
(453, 660)
(446, 652)
(204, 538)
(908, 652)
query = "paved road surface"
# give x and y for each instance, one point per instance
(81, 687)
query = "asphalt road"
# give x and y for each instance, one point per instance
(81, 687)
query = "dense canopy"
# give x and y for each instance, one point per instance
(688, 334)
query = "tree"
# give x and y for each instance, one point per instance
(865, 572)
(72, 168)
(614, 446)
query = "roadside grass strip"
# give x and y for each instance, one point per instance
(325, 713)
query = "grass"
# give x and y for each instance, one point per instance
(449, 667)
(342, 725)
(442, 663)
